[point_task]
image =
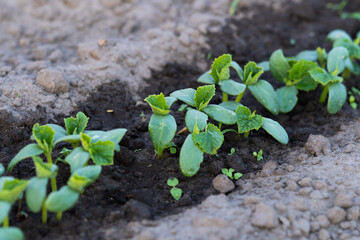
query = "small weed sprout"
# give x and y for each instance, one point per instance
(230, 173)
(175, 192)
(232, 152)
(258, 155)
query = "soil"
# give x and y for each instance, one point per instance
(135, 187)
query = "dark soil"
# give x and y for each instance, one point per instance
(135, 187)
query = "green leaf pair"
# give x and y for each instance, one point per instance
(175, 192)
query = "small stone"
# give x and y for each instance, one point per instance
(281, 207)
(268, 168)
(210, 222)
(319, 185)
(314, 226)
(300, 204)
(303, 225)
(353, 213)
(146, 235)
(135, 209)
(324, 235)
(102, 42)
(302, 157)
(252, 200)
(323, 220)
(348, 225)
(184, 39)
(264, 216)
(52, 81)
(316, 194)
(291, 185)
(344, 200)
(336, 215)
(317, 145)
(290, 168)
(305, 182)
(223, 184)
(305, 191)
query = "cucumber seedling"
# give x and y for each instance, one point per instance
(262, 90)
(175, 192)
(231, 174)
(99, 146)
(258, 155)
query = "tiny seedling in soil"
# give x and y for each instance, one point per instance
(99, 146)
(233, 6)
(175, 192)
(232, 152)
(258, 155)
(262, 90)
(230, 173)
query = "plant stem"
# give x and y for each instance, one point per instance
(44, 213)
(53, 184)
(182, 131)
(220, 124)
(224, 97)
(229, 130)
(324, 94)
(58, 216)
(246, 134)
(6, 222)
(239, 97)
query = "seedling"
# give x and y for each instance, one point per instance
(233, 7)
(262, 90)
(258, 155)
(232, 152)
(230, 173)
(143, 117)
(11, 190)
(337, 7)
(99, 146)
(175, 192)
(352, 100)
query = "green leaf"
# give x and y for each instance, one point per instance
(220, 67)
(231, 87)
(252, 73)
(321, 76)
(114, 136)
(102, 152)
(36, 193)
(287, 97)
(230, 105)
(176, 193)
(44, 136)
(172, 182)
(12, 189)
(83, 177)
(44, 170)
(194, 117)
(85, 141)
(220, 114)
(206, 78)
(61, 200)
(308, 55)
(76, 125)
(237, 176)
(265, 65)
(73, 139)
(266, 95)
(203, 96)
(353, 15)
(276, 130)
(238, 69)
(28, 151)
(191, 157)
(210, 140)
(307, 84)
(78, 158)
(4, 210)
(354, 67)
(353, 49)
(158, 104)
(279, 66)
(337, 97)
(322, 56)
(246, 120)
(170, 101)
(300, 70)
(59, 131)
(186, 95)
(2, 170)
(338, 34)
(162, 131)
(336, 60)
(11, 233)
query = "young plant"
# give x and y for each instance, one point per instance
(175, 192)
(96, 145)
(11, 190)
(352, 100)
(162, 126)
(232, 152)
(258, 155)
(262, 90)
(233, 6)
(230, 173)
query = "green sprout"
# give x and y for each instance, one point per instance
(233, 6)
(258, 155)
(175, 192)
(232, 152)
(230, 173)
